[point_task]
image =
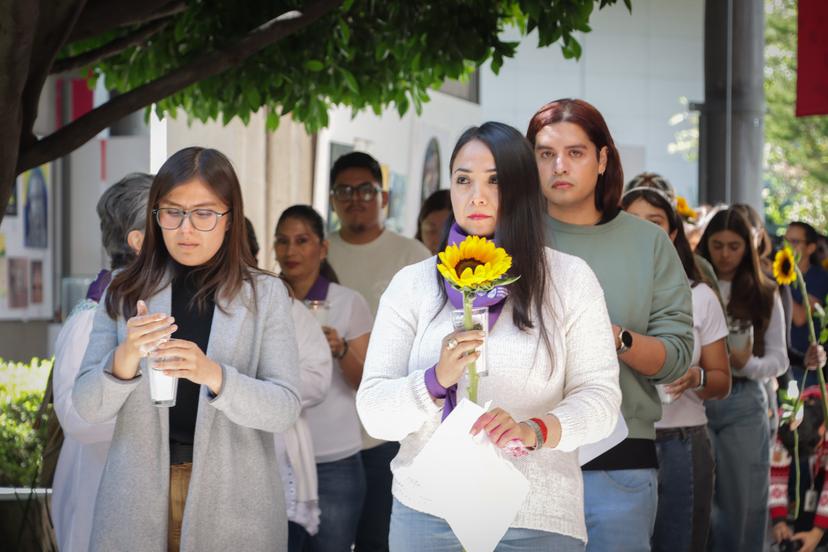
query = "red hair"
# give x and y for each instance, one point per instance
(584, 114)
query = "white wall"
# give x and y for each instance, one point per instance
(634, 69)
(399, 143)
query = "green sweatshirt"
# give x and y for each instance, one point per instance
(646, 291)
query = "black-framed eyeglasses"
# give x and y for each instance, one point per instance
(203, 220)
(366, 192)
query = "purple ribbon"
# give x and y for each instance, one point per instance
(319, 289)
(97, 288)
(494, 300)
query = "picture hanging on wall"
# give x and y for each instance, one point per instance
(18, 283)
(36, 208)
(431, 169)
(37, 282)
(337, 151)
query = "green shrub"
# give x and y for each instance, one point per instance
(21, 445)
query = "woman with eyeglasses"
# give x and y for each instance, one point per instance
(199, 475)
(685, 454)
(738, 425)
(301, 250)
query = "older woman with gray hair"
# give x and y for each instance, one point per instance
(122, 210)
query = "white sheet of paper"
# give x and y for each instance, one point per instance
(596, 449)
(467, 481)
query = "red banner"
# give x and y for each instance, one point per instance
(812, 59)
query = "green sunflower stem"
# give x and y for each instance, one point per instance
(803, 289)
(796, 461)
(468, 324)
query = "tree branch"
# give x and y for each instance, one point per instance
(100, 15)
(85, 128)
(110, 49)
(53, 26)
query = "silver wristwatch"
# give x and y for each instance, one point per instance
(626, 340)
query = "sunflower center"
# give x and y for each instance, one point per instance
(786, 266)
(464, 264)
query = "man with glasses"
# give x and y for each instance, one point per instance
(803, 239)
(365, 256)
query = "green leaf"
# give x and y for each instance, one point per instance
(344, 30)
(314, 65)
(350, 80)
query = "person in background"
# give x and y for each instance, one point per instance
(685, 454)
(553, 373)
(366, 255)
(812, 521)
(431, 222)
(803, 239)
(649, 302)
(739, 424)
(201, 474)
(294, 447)
(122, 210)
(658, 182)
(301, 250)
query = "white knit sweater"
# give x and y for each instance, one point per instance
(579, 386)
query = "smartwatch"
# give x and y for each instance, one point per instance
(626, 340)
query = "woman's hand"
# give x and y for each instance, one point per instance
(180, 358)
(336, 343)
(144, 331)
(502, 428)
(809, 539)
(459, 348)
(814, 357)
(690, 380)
(781, 531)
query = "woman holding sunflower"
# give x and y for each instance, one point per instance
(739, 423)
(552, 368)
(685, 454)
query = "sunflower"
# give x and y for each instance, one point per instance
(684, 210)
(476, 263)
(784, 267)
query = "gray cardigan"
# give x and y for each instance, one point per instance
(235, 499)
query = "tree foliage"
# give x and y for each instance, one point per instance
(219, 59)
(796, 149)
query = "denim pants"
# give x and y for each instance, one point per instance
(341, 494)
(685, 489)
(413, 531)
(620, 509)
(738, 427)
(372, 533)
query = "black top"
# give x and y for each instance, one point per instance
(192, 326)
(629, 454)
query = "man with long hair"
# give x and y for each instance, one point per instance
(648, 299)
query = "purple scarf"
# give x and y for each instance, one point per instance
(494, 300)
(97, 288)
(319, 289)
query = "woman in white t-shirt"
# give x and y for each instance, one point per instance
(685, 454)
(301, 249)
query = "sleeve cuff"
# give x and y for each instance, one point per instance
(435, 389)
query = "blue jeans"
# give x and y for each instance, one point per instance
(740, 434)
(620, 509)
(372, 533)
(685, 489)
(341, 494)
(413, 531)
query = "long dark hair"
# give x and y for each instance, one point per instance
(586, 116)
(222, 276)
(751, 295)
(659, 200)
(519, 220)
(314, 220)
(438, 201)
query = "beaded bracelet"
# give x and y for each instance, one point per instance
(539, 437)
